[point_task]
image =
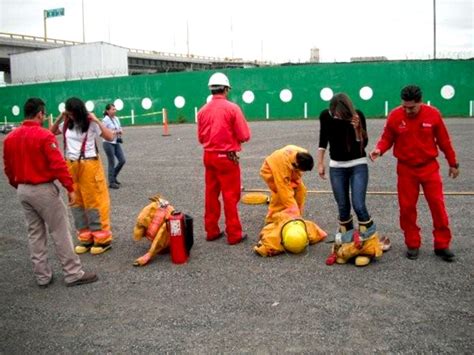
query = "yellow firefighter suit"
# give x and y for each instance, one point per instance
(151, 223)
(270, 242)
(285, 182)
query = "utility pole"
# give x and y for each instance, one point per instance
(187, 35)
(434, 29)
(231, 37)
(83, 27)
(45, 16)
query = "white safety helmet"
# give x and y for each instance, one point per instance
(219, 79)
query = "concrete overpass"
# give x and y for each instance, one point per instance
(139, 61)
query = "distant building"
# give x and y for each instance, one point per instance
(368, 59)
(82, 61)
(314, 58)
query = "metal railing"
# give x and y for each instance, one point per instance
(42, 40)
(37, 39)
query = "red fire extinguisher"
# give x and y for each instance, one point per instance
(177, 230)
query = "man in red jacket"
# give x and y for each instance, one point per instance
(32, 162)
(221, 129)
(416, 131)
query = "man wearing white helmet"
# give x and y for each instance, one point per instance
(222, 129)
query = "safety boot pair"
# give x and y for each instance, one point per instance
(97, 242)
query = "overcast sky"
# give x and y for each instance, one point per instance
(269, 30)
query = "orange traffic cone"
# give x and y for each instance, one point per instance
(165, 123)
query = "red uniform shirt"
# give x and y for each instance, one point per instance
(416, 139)
(222, 126)
(31, 156)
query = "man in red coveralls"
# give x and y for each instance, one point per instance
(32, 162)
(416, 131)
(221, 129)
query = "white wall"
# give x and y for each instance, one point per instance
(92, 60)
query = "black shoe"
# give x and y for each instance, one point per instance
(211, 239)
(118, 182)
(242, 239)
(412, 254)
(445, 254)
(114, 186)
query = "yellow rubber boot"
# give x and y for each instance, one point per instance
(82, 248)
(100, 249)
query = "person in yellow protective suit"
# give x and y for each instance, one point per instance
(91, 209)
(273, 239)
(151, 223)
(282, 171)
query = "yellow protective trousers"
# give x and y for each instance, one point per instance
(91, 210)
(270, 242)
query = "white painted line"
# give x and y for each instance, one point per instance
(195, 114)
(267, 111)
(386, 108)
(132, 113)
(305, 110)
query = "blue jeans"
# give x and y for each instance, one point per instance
(357, 178)
(114, 151)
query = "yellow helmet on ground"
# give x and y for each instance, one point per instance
(294, 236)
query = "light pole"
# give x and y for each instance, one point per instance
(83, 27)
(45, 16)
(434, 29)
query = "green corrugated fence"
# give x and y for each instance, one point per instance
(280, 92)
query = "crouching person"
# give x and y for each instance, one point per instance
(282, 171)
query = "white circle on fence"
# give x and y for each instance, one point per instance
(15, 110)
(209, 98)
(146, 103)
(118, 104)
(326, 94)
(366, 93)
(248, 97)
(90, 106)
(62, 107)
(286, 95)
(179, 101)
(447, 92)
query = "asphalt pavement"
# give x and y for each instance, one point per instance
(227, 299)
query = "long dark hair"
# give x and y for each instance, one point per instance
(108, 107)
(80, 116)
(341, 107)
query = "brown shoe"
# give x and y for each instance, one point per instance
(87, 278)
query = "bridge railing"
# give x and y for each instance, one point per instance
(37, 39)
(43, 40)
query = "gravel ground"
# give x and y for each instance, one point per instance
(226, 299)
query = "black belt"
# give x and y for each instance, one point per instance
(90, 158)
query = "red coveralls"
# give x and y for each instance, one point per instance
(415, 144)
(221, 129)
